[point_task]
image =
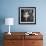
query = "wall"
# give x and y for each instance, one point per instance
(9, 8)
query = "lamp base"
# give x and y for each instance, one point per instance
(9, 33)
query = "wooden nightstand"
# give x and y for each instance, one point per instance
(20, 39)
(34, 40)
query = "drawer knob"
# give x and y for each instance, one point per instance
(33, 42)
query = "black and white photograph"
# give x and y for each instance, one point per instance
(27, 15)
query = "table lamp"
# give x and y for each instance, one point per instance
(9, 21)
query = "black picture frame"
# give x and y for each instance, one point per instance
(27, 15)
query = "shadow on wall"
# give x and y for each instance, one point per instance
(2, 21)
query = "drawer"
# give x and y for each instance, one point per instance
(33, 43)
(13, 43)
(33, 37)
(9, 43)
(37, 43)
(16, 37)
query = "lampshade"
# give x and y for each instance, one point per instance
(9, 21)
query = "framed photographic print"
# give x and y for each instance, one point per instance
(27, 15)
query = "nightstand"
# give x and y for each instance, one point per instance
(20, 39)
